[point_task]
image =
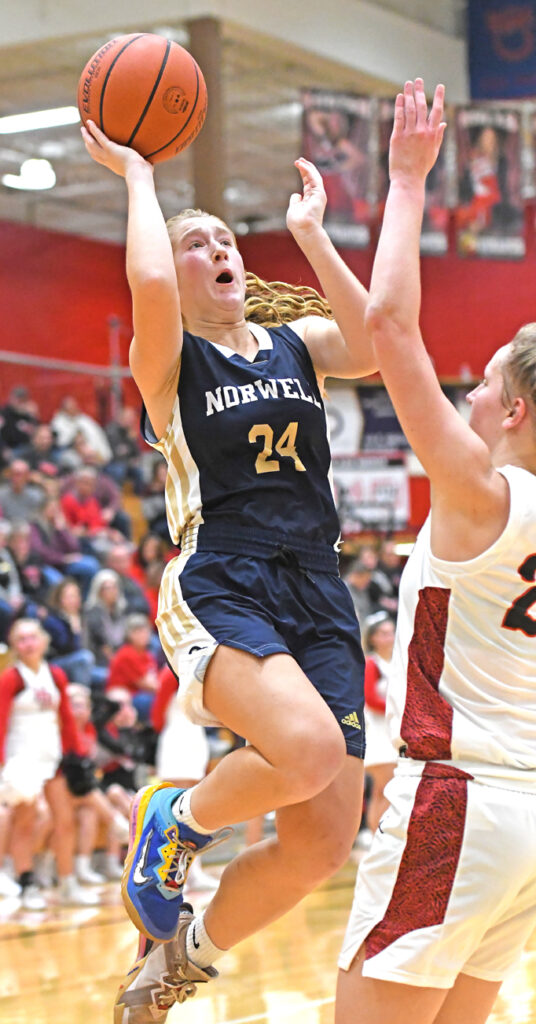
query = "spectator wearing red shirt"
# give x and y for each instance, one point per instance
(133, 666)
(380, 757)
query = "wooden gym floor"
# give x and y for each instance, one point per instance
(63, 966)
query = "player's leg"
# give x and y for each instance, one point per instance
(295, 745)
(362, 1000)
(314, 839)
(296, 749)
(470, 999)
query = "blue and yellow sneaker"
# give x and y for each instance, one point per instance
(159, 856)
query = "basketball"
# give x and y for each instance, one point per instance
(144, 91)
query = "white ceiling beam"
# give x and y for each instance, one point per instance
(360, 35)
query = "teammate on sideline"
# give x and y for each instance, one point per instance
(253, 615)
(446, 897)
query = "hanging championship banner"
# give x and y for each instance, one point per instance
(489, 214)
(434, 234)
(502, 49)
(336, 138)
(371, 492)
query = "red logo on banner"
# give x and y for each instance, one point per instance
(512, 33)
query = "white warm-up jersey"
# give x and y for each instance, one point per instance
(464, 681)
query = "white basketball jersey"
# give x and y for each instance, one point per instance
(464, 680)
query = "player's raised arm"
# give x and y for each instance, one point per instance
(155, 350)
(456, 459)
(339, 348)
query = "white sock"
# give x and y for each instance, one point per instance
(200, 948)
(181, 811)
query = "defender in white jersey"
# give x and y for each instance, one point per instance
(445, 900)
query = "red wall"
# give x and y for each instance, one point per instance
(58, 291)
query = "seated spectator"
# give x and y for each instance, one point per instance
(108, 496)
(19, 418)
(12, 599)
(182, 756)
(69, 421)
(119, 557)
(35, 577)
(56, 545)
(106, 616)
(85, 514)
(124, 746)
(133, 667)
(19, 498)
(387, 575)
(153, 502)
(358, 579)
(64, 624)
(123, 433)
(95, 812)
(41, 450)
(37, 728)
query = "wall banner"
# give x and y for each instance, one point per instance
(489, 215)
(502, 49)
(336, 137)
(371, 492)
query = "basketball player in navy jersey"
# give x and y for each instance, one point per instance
(253, 615)
(445, 899)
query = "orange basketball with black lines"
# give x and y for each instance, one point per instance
(144, 91)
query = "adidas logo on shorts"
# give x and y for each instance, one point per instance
(352, 719)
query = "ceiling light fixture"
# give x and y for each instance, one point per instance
(34, 175)
(53, 118)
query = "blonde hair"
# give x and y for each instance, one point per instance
(266, 303)
(519, 367)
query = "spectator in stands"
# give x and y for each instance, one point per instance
(119, 557)
(133, 667)
(19, 498)
(147, 566)
(35, 577)
(380, 756)
(37, 727)
(121, 745)
(123, 434)
(95, 811)
(19, 418)
(41, 450)
(106, 614)
(84, 513)
(64, 624)
(12, 599)
(153, 501)
(358, 578)
(182, 755)
(56, 545)
(107, 494)
(387, 576)
(69, 421)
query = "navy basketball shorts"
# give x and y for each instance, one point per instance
(263, 607)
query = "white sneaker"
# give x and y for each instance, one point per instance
(71, 894)
(32, 899)
(45, 869)
(113, 868)
(85, 873)
(8, 886)
(120, 828)
(198, 879)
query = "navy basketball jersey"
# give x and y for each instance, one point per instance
(247, 450)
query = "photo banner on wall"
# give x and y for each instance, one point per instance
(489, 213)
(336, 137)
(502, 49)
(371, 492)
(434, 234)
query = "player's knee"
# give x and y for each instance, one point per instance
(315, 759)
